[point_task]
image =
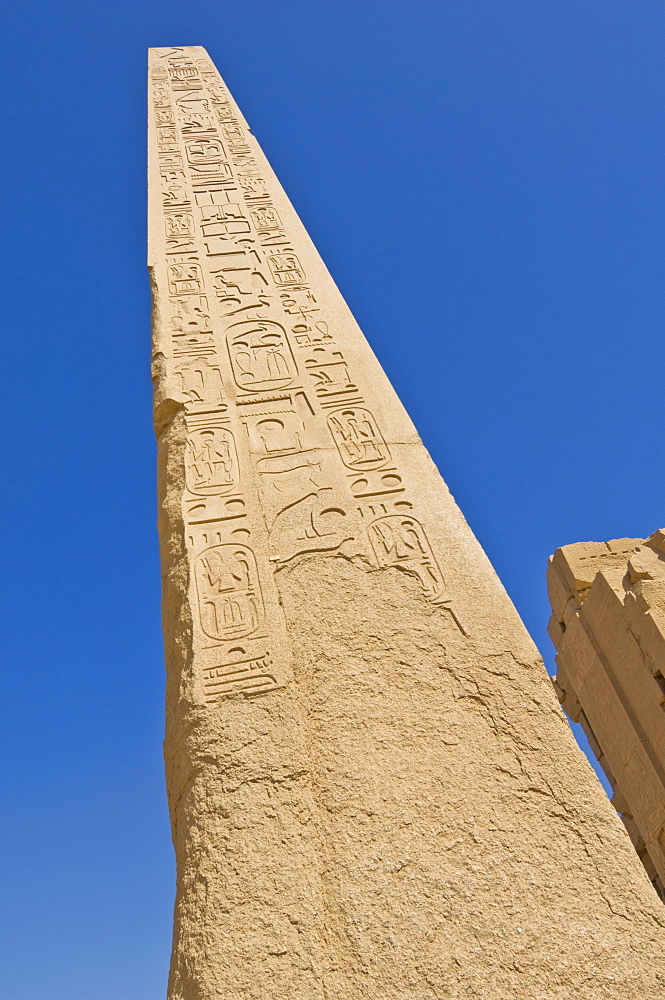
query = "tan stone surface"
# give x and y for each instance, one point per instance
(607, 624)
(374, 794)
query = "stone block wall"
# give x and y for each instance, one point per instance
(608, 626)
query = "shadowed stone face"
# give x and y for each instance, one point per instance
(373, 792)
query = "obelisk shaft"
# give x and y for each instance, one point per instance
(373, 792)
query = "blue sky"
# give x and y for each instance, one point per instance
(485, 182)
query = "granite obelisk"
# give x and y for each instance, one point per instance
(372, 789)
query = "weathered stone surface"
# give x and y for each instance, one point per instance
(607, 624)
(374, 794)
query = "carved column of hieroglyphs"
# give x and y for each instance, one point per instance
(371, 786)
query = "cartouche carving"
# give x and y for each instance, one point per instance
(230, 603)
(285, 269)
(211, 461)
(400, 541)
(358, 439)
(201, 383)
(261, 357)
(185, 277)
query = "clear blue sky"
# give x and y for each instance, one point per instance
(484, 180)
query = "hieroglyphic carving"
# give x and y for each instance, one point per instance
(213, 510)
(211, 461)
(358, 439)
(252, 348)
(229, 594)
(200, 383)
(400, 541)
(239, 282)
(278, 423)
(179, 228)
(253, 188)
(265, 218)
(285, 269)
(179, 224)
(376, 483)
(314, 523)
(185, 276)
(354, 429)
(239, 673)
(226, 579)
(261, 357)
(329, 372)
(174, 192)
(191, 325)
(222, 220)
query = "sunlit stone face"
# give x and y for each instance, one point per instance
(373, 792)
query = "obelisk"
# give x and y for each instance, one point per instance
(373, 791)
